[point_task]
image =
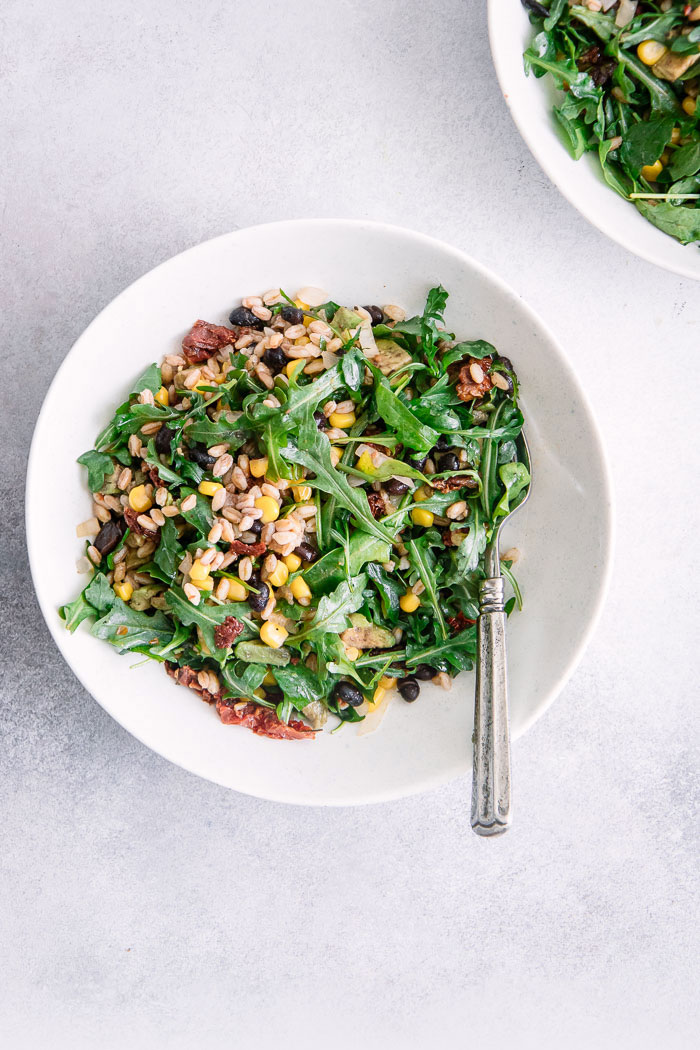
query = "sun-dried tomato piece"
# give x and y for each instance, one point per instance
(187, 676)
(262, 720)
(459, 622)
(131, 517)
(251, 549)
(376, 505)
(204, 339)
(452, 484)
(227, 632)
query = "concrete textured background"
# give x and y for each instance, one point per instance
(141, 906)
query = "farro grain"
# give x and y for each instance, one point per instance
(245, 568)
(394, 313)
(124, 479)
(208, 557)
(222, 587)
(189, 502)
(192, 378)
(231, 514)
(150, 428)
(158, 516)
(262, 312)
(218, 499)
(94, 555)
(192, 593)
(147, 522)
(214, 532)
(456, 510)
(101, 513)
(171, 510)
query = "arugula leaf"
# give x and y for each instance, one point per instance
(170, 477)
(168, 554)
(459, 649)
(214, 433)
(240, 680)
(99, 593)
(99, 466)
(425, 327)
(330, 570)
(300, 685)
(208, 617)
(126, 629)
(423, 561)
(680, 222)
(515, 479)
(334, 609)
(477, 348)
(474, 543)
(686, 161)
(645, 142)
(149, 380)
(389, 589)
(201, 516)
(352, 370)
(75, 612)
(254, 652)
(409, 429)
(314, 454)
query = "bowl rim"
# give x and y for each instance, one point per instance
(606, 226)
(439, 778)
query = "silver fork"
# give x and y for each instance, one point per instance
(491, 789)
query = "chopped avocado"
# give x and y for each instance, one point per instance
(344, 319)
(315, 714)
(365, 635)
(391, 356)
(259, 653)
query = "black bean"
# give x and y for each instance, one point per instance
(306, 552)
(256, 528)
(376, 313)
(274, 694)
(321, 421)
(275, 358)
(409, 689)
(442, 443)
(163, 440)
(349, 693)
(396, 487)
(424, 672)
(418, 462)
(246, 318)
(108, 537)
(506, 362)
(259, 600)
(292, 314)
(449, 462)
(199, 455)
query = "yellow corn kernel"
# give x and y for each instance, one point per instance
(293, 562)
(269, 678)
(307, 320)
(139, 500)
(123, 590)
(422, 517)
(260, 693)
(162, 397)
(365, 463)
(207, 584)
(293, 367)
(387, 683)
(379, 694)
(208, 488)
(301, 492)
(342, 420)
(676, 136)
(300, 304)
(336, 454)
(221, 378)
(651, 172)
(273, 634)
(666, 157)
(303, 340)
(651, 51)
(270, 509)
(198, 572)
(409, 602)
(352, 652)
(688, 105)
(300, 588)
(258, 467)
(236, 591)
(422, 493)
(279, 576)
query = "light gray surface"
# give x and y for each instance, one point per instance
(143, 907)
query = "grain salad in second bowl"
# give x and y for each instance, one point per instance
(291, 514)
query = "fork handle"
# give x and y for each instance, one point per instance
(491, 772)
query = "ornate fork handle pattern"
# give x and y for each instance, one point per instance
(491, 793)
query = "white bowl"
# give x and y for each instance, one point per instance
(530, 102)
(564, 532)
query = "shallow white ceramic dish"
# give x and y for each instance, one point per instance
(564, 532)
(530, 102)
